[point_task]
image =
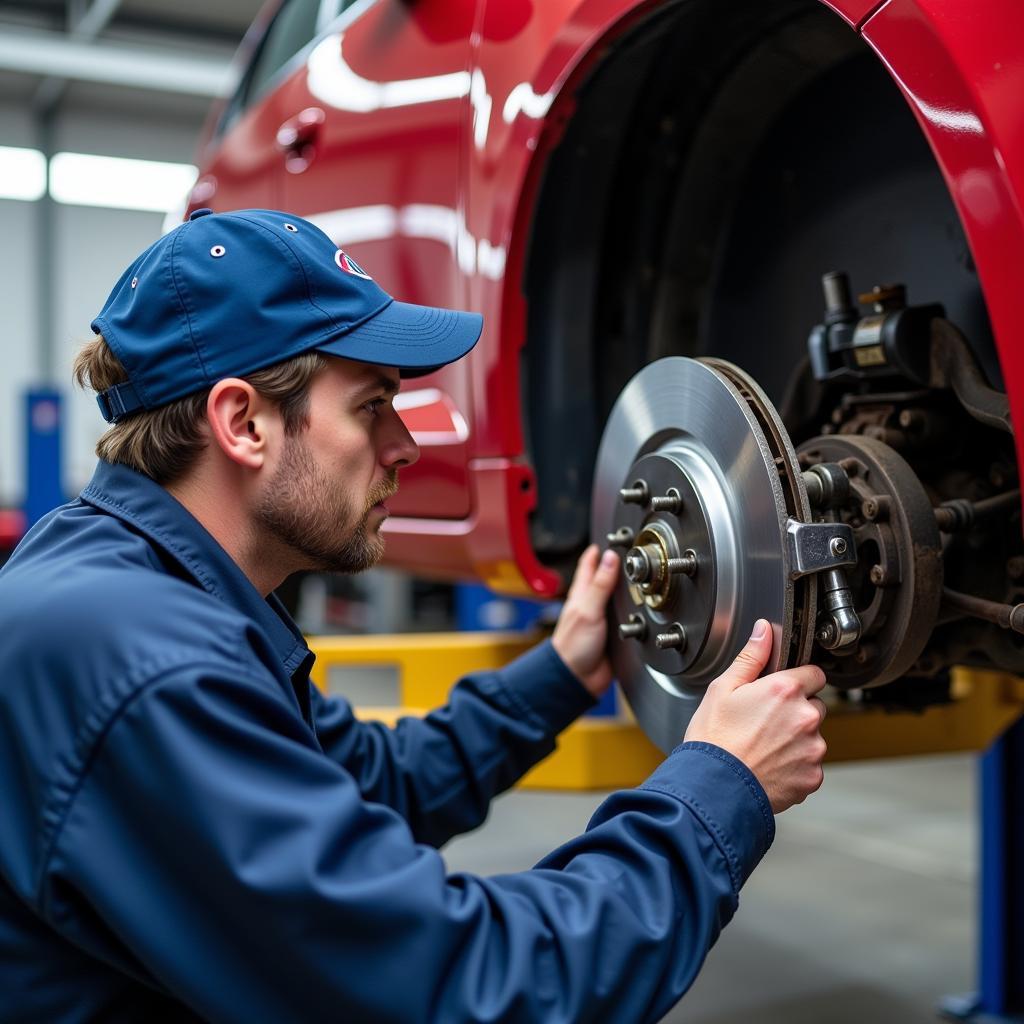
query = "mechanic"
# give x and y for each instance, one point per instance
(191, 831)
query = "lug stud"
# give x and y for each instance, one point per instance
(622, 538)
(638, 494)
(673, 637)
(670, 501)
(634, 629)
(687, 565)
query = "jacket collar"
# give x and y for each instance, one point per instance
(165, 522)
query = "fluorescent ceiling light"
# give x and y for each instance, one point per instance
(118, 183)
(22, 173)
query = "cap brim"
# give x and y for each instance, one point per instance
(416, 339)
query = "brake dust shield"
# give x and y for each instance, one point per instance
(695, 482)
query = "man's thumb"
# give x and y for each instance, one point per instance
(750, 662)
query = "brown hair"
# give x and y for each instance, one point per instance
(164, 443)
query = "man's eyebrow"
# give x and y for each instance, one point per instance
(380, 382)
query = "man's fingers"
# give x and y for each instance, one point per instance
(593, 582)
(811, 678)
(602, 584)
(584, 572)
(750, 662)
(819, 706)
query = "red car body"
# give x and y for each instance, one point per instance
(418, 133)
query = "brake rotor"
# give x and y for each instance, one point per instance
(695, 480)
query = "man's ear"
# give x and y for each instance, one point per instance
(240, 421)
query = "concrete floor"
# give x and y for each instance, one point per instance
(863, 911)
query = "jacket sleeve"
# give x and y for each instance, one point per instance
(241, 871)
(441, 772)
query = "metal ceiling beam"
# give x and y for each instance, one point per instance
(85, 22)
(91, 22)
(53, 55)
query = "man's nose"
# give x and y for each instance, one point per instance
(399, 448)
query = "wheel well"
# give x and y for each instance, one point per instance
(717, 163)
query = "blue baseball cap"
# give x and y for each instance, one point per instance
(226, 294)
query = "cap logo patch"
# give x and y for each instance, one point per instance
(349, 265)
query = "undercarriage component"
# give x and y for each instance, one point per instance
(839, 626)
(915, 344)
(953, 366)
(1006, 616)
(960, 514)
(827, 485)
(897, 585)
(817, 547)
(848, 346)
(724, 545)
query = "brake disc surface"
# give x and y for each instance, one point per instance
(694, 483)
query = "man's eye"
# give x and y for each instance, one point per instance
(374, 405)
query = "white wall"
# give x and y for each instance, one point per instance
(92, 248)
(18, 336)
(18, 345)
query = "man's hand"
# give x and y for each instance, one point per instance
(579, 637)
(770, 724)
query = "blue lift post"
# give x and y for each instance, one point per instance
(1000, 995)
(1001, 947)
(44, 420)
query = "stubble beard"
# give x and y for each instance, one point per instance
(312, 515)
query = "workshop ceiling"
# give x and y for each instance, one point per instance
(168, 56)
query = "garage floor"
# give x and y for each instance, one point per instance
(863, 911)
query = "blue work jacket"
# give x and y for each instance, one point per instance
(191, 831)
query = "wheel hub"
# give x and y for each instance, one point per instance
(668, 561)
